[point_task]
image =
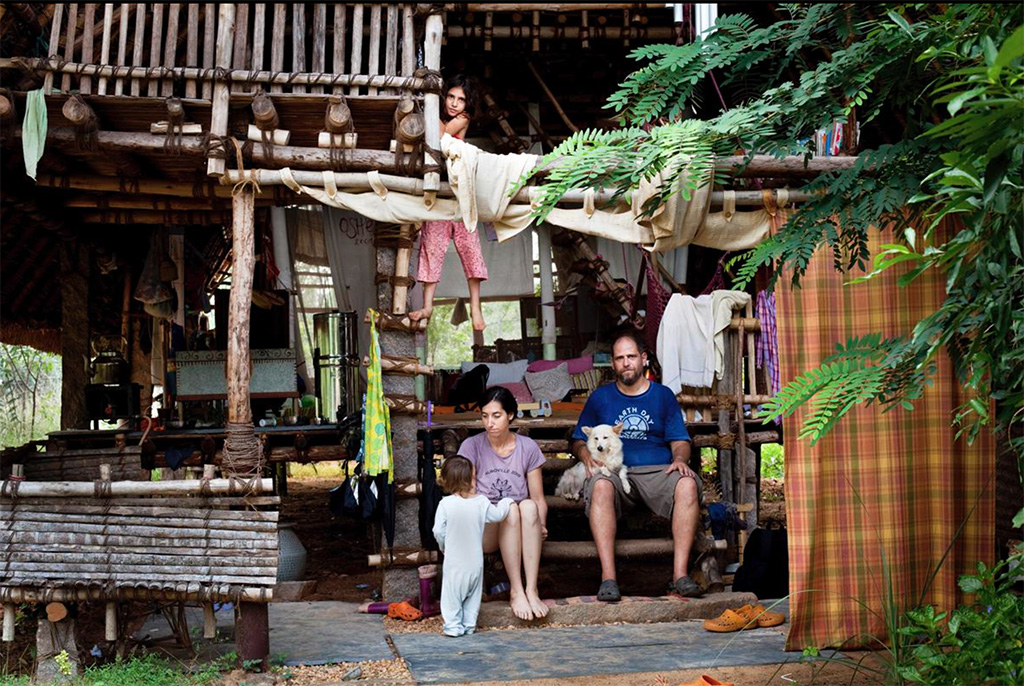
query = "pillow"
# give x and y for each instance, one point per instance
(576, 365)
(588, 380)
(519, 390)
(509, 372)
(550, 385)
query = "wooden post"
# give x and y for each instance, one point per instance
(547, 295)
(171, 46)
(215, 166)
(252, 633)
(356, 61)
(277, 45)
(298, 42)
(340, 15)
(192, 47)
(209, 622)
(88, 35)
(122, 45)
(69, 45)
(373, 63)
(319, 42)
(432, 103)
(74, 348)
(209, 44)
(139, 43)
(8, 623)
(155, 54)
(243, 260)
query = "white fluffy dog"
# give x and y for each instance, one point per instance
(605, 446)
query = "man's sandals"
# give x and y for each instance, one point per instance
(746, 617)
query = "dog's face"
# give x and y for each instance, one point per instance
(603, 441)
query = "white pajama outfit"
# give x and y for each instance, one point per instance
(459, 530)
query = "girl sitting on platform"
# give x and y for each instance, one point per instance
(457, 111)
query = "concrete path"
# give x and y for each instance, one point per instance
(318, 633)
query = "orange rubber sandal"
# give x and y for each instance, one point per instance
(765, 618)
(728, 621)
(405, 611)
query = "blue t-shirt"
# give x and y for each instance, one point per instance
(649, 422)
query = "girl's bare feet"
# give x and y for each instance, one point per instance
(539, 608)
(478, 320)
(417, 315)
(521, 606)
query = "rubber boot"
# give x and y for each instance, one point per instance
(429, 604)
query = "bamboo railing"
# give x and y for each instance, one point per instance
(179, 49)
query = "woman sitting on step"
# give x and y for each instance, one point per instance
(509, 466)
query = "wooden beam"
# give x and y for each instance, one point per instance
(195, 218)
(240, 302)
(221, 90)
(651, 34)
(74, 288)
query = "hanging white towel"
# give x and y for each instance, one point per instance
(686, 342)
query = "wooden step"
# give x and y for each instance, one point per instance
(586, 550)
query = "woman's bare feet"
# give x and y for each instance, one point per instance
(539, 608)
(521, 606)
(417, 315)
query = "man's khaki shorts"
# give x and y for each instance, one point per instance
(649, 485)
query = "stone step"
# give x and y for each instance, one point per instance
(585, 610)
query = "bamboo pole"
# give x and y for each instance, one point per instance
(319, 42)
(224, 518)
(31, 539)
(259, 35)
(231, 75)
(751, 350)
(399, 304)
(69, 45)
(408, 41)
(155, 54)
(155, 559)
(88, 29)
(356, 60)
(652, 34)
(585, 550)
(171, 46)
(190, 555)
(122, 44)
(400, 365)
(169, 571)
(55, 23)
(181, 520)
(551, 97)
(221, 94)
(402, 559)
(65, 489)
(165, 591)
(373, 64)
(197, 218)
(431, 103)
(20, 577)
(298, 43)
(553, 7)
(240, 43)
(340, 16)
(192, 47)
(209, 45)
(108, 21)
(391, 46)
(277, 45)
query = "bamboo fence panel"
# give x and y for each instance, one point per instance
(408, 41)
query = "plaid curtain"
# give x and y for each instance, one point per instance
(881, 490)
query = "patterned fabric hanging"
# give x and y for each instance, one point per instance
(376, 415)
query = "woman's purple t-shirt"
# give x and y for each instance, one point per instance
(502, 477)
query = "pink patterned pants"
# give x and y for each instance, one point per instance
(434, 237)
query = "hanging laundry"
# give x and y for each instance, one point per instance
(768, 339)
(376, 415)
(33, 131)
(685, 346)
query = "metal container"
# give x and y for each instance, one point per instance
(108, 367)
(336, 362)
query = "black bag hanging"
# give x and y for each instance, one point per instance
(344, 500)
(430, 493)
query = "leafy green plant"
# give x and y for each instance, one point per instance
(938, 91)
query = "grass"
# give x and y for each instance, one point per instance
(143, 670)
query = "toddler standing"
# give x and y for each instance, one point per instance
(459, 530)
